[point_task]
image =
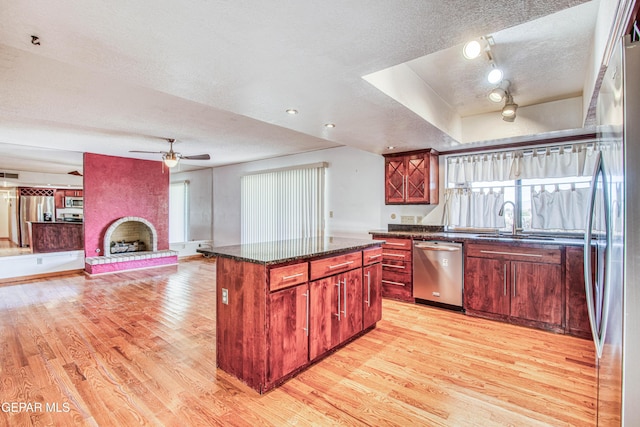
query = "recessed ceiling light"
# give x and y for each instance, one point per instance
(472, 49)
(292, 111)
(390, 147)
(329, 125)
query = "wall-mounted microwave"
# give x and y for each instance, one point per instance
(73, 202)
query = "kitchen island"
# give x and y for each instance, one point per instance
(55, 236)
(281, 306)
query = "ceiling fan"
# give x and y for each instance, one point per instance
(171, 158)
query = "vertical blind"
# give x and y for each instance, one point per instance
(179, 212)
(283, 204)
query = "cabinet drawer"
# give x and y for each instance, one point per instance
(336, 264)
(398, 244)
(370, 256)
(551, 254)
(396, 279)
(394, 266)
(290, 275)
(389, 255)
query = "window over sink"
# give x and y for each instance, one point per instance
(541, 189)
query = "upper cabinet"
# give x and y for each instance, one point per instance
(411, 178)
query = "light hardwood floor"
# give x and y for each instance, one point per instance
(138, 348)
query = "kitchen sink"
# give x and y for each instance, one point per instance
(513, 236)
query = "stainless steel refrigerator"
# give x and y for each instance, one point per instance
(612, 242)
(34, 208)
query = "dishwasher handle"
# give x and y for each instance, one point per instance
(437, 247)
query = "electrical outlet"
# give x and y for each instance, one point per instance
(330, 214)
(225, 296)
(39, 261)
(419, 219)
(404, 219)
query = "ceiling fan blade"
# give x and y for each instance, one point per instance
(75, 173)
(148, 152)
(197, 157)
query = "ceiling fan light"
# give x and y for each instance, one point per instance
(170, 159)
(472, 49)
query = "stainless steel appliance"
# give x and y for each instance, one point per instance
(73, 202)
(33, 208)
(72, 217)
(437, 273)
(612, 242)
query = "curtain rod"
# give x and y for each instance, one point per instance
(557, 142)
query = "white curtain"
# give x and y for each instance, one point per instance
(477, 209)
(283, 204)
(576, 160)
(483, 167)
(560, 209)
(565, 209)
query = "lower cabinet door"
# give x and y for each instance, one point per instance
(326, 300)
(536, 292)
(287, 336)
(351, 319)
(372, 295)
(486, 285)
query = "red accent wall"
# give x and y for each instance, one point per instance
(115, 187)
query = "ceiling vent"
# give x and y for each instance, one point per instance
(9, 175)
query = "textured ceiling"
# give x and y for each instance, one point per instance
(109, 77)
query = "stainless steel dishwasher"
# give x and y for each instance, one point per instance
(437, 273)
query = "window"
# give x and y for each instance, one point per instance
(540, 189)
(179, 212)
(283, 204)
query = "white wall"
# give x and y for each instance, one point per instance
(34, 264)
(355, 192)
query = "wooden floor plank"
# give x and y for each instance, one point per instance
(138, 348)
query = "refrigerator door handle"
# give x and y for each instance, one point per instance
(597, 330)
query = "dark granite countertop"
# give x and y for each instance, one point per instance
(464, 237)
(55, 222)
(289, 250)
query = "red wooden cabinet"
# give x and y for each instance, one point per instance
(272, 322)
(288, 331)
(371, 294)
(504, 282)
(337, 311)
(576, 307)
(485, 286)
(411, 178)
(397, 277)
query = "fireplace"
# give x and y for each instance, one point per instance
(130, 243)
(130, 234)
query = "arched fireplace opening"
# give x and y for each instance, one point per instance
(130, 234)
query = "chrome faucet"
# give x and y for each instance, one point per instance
(501, 213)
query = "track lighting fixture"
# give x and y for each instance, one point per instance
(499, 93)
(509, 109)
(472, 49)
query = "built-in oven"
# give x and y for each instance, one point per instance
(73, 202)
(437, 273)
